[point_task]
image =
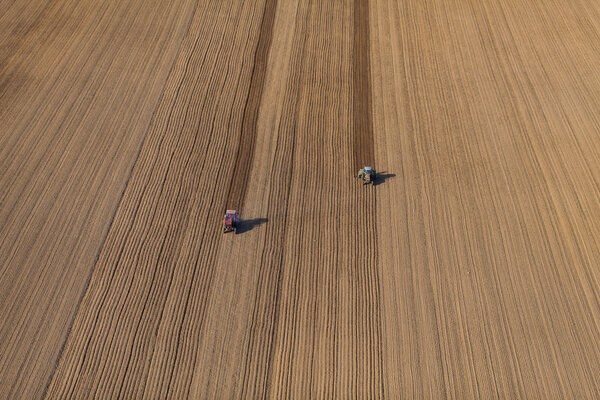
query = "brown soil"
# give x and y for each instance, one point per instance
(470, 270)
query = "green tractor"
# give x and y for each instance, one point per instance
(367, 174)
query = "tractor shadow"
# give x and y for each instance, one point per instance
(382, 177)
(249, 224)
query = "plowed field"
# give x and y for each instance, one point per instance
(470, 269)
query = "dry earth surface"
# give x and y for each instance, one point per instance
(471, 270)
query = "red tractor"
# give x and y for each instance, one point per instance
(231, 220)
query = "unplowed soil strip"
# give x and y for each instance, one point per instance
(364, 153)
(245, 152)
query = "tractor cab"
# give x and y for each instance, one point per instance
(231, 221)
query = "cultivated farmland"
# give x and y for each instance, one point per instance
(470, 269)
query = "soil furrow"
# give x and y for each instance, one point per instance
(469, 270)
